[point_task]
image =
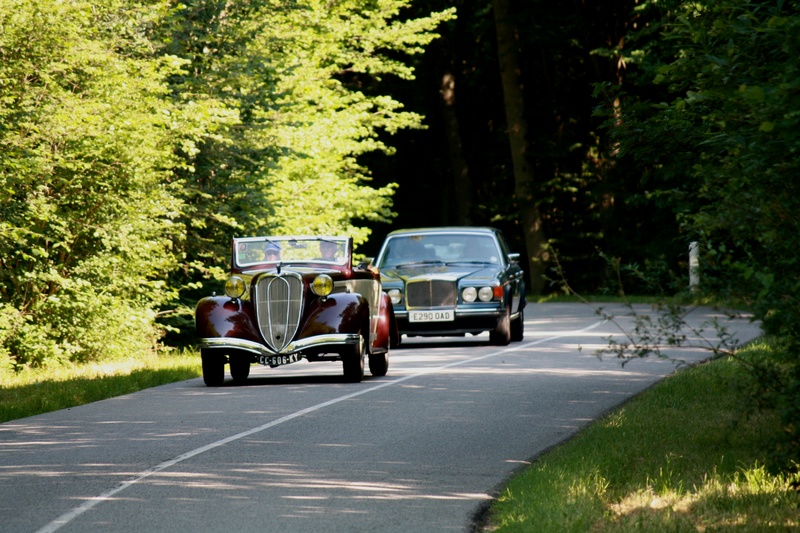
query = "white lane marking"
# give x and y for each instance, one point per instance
(88, 504)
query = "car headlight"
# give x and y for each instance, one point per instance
(322, 285)
(486, 294)
(395, 296)
(469, 294)
(235, 287)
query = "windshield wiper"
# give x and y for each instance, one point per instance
(468, 262)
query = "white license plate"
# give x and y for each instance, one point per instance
(431, 316)
(278, 360)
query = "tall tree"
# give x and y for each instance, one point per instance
(459, 168)
(456, 197)
(137, 138)
(86, 149)
(525, 183)
(587, 200)
(302, 84)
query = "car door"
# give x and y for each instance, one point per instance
(514, 274)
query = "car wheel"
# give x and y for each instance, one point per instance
(353, 363)
(518, 328)
(213, 368)
(379, 364)
(501, 335)
(240, 369)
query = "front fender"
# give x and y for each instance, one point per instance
(338, 313)
(220, 316)
(386, 334)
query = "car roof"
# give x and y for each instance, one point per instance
(444, 230)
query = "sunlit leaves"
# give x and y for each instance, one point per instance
(303, 78)
(86, 146)
(137, 137)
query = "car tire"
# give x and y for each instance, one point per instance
(240, 369)
(379, 364)
(353, 362)
(518, 328)
(501, 335)
(213, 368)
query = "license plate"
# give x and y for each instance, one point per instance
(431, 316)
(278, 360)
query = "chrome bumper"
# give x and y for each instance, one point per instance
(459, 312)
(332, 339)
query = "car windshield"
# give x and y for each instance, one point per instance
(409, 250)
(254, 250)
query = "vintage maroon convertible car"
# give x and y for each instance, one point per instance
(294, 298)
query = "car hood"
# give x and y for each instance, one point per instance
(441, 272)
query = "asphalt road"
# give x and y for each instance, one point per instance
(297, 449)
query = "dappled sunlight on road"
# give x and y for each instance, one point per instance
(566, 372)
(296, 483)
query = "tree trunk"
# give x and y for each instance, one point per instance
(462, 185)
(524, 179)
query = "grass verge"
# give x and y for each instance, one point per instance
(33, 392)
(686, 455)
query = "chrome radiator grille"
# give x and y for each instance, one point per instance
(431, 293)
(279, 306)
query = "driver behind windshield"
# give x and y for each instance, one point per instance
(272, 252)
(409, 250)
(327, 250)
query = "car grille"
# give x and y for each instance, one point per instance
(431, 293)
(279, 306)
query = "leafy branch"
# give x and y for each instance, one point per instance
(653, 333)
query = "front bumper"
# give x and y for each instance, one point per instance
(316, 344)
(472, 321)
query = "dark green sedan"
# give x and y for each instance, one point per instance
(453, 281)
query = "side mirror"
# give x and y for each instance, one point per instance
(513, 258)
(365, 263)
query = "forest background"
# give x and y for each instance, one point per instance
(138, 136)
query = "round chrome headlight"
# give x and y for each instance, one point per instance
(235, 287)
(469, 294)
(322, 285)
(486, 294)
(395, 296)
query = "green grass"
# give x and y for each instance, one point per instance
(686, 455)
(32, 392)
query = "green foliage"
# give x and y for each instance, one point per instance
(299, 83)
(86, 148)
(730, 133)
(137, 137)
